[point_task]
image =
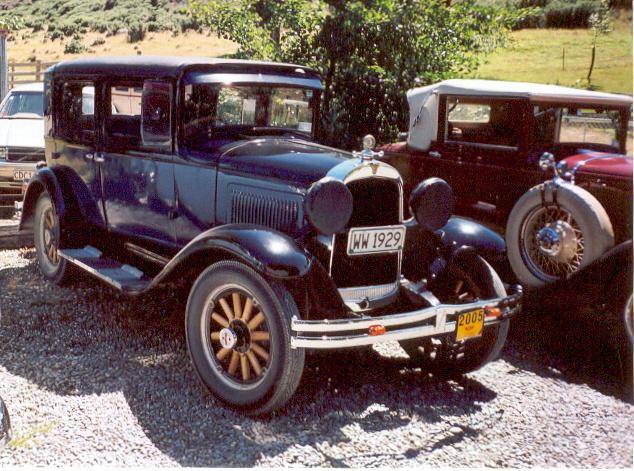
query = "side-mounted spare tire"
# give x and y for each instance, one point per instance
(555, 230)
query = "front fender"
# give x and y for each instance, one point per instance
(487, 243)
(268, 251)
(43, 180)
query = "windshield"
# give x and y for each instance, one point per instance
(217, 113)
(581, 125)
(23, 102)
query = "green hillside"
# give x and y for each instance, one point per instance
(562, 56)
(70, 17)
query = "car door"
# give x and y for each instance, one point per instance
(75, 145)
(137, 165)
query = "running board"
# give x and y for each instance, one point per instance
(124, 277)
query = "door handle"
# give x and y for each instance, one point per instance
(99, 157)
(55, 155)
(435, 155)
(89, 156)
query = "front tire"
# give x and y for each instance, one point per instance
(441, 355)
(46, 237)
(238, 329)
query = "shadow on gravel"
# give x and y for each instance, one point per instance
(570, 345)
(89, 340)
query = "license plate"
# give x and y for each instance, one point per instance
(21, 175)
(375, 239)
(470, 324)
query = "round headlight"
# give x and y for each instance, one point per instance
(432, 203)
(328, 205)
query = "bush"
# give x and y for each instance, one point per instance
(68, 29)
(569, 13)
(74, 47)
(98, 42)
(136, 32)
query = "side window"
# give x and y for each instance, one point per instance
(76, 115)
(156, 118)
(478, 121)
(140, 116)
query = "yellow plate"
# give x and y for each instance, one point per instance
(470, 324)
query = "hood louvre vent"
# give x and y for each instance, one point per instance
(264, 210)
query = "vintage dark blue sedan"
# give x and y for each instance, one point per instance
(206, 171)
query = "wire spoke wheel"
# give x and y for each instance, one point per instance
(552, 244)
(238, 336)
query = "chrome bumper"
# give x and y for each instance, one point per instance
(436, 320)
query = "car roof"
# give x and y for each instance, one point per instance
(169, 66)
(29, 87)
(536, 92)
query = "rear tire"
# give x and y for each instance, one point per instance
(46, 237)
(260, 371)
(444, 357)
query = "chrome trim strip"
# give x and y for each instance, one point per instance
(265, 78)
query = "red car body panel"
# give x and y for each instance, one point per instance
(602, 164)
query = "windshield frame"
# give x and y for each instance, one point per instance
(269, 80)
(621, 131)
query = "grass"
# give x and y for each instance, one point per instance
(535, 55)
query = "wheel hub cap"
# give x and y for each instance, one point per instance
(47, 237)
(558, 241)
(228, 338)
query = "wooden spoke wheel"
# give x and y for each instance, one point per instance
(442, 355)
(238, 328)
(46, 237)
(239, 335)
(50, 234)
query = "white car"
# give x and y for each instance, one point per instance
(21, 139)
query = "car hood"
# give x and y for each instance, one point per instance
(299, 161)
(601, 164)
(21, 132)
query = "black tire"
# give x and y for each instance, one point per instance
(625, 348)
(282, 373)
(442, 356)
(588, 213)
(46, 237)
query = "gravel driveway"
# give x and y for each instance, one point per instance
(92, 377)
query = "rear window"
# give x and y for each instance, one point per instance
(17, 103)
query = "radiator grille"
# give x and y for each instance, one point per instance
(376, 203)
(264, 210)
(24, 154)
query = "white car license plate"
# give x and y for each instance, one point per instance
(362, 240)
(21, 175)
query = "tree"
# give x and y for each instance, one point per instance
(368, 52)
(600, 23)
